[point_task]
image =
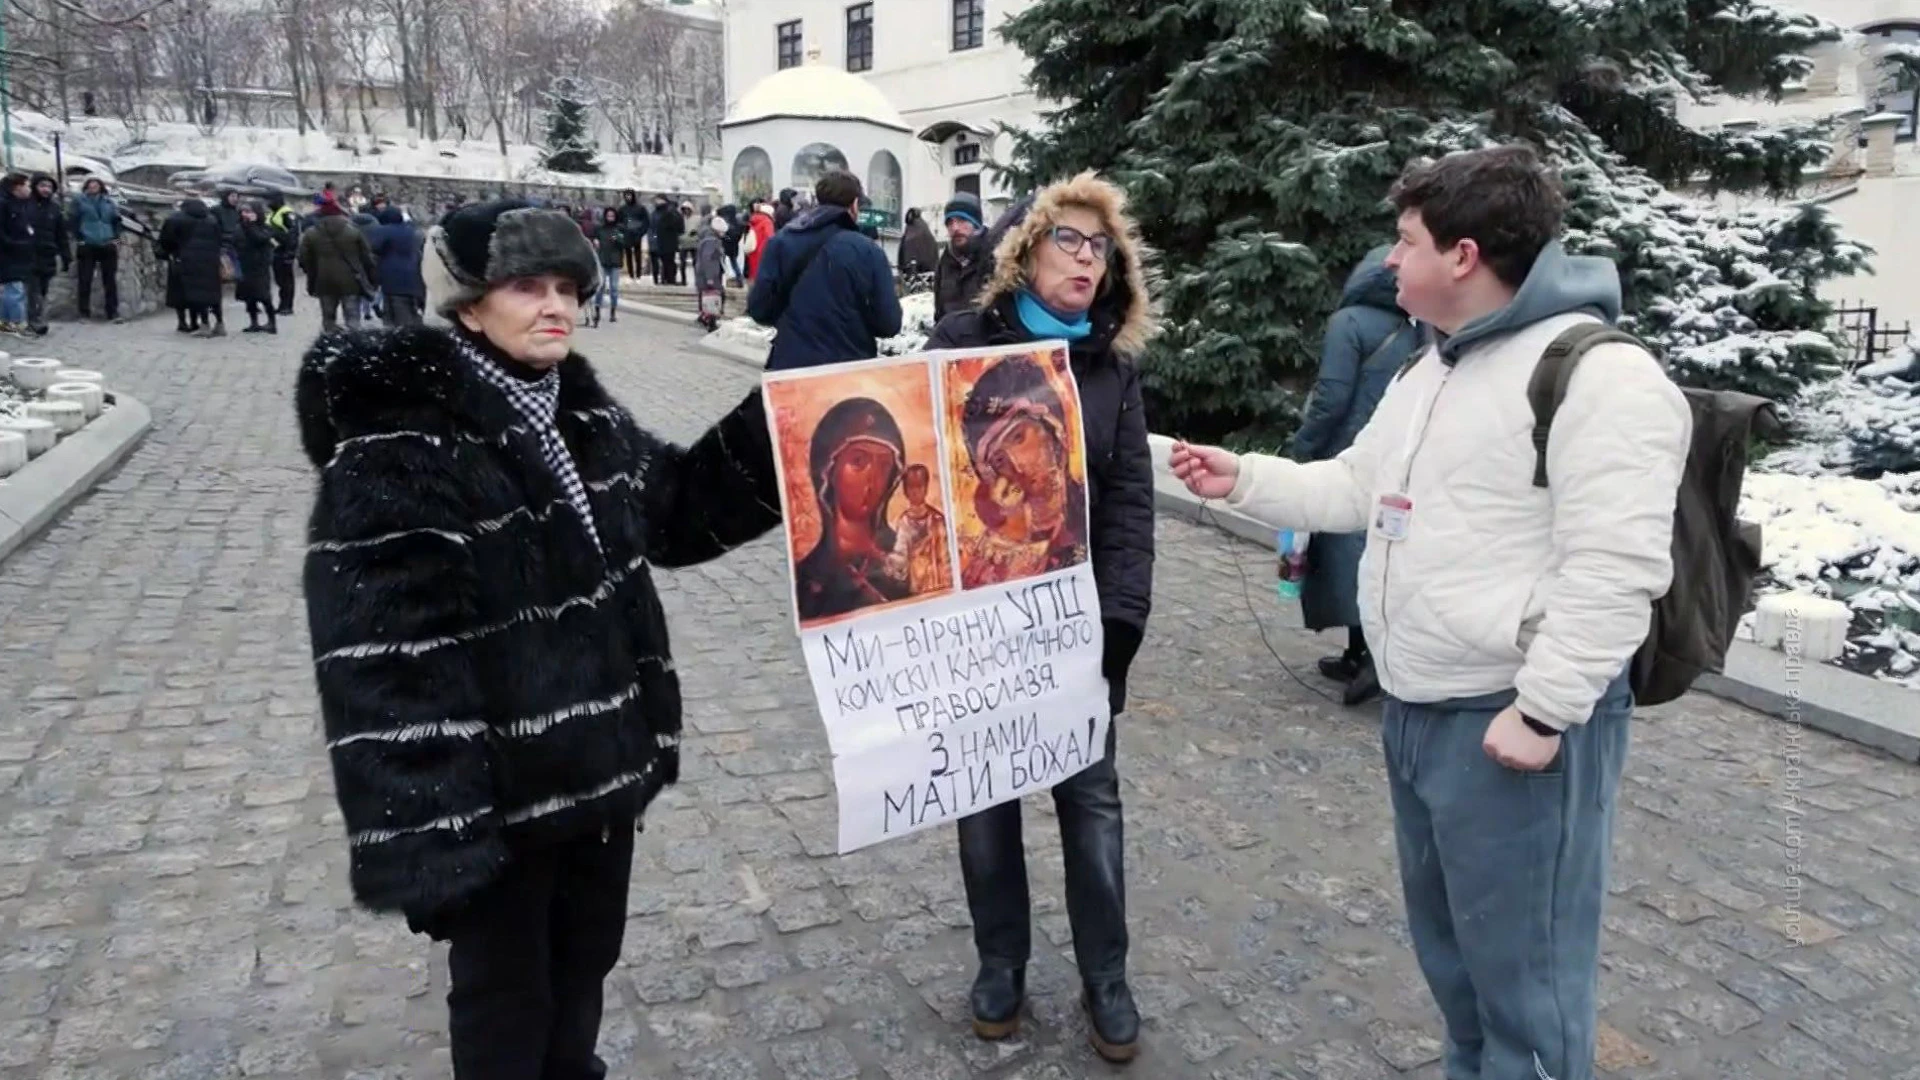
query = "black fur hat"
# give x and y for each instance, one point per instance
(476, 247)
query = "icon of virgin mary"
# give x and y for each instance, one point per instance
(856, 461)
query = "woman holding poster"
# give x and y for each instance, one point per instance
(1069, 266)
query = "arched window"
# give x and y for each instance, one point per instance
(814, 161)
(1897, 86)
(884, 185)
(752, 175)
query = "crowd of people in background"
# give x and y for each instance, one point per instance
(361, 255)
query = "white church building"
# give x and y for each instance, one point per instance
(906, 94)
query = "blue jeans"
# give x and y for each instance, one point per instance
(13, 302)
(1505, 874)
(609, 288)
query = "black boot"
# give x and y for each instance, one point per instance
(1113, 1020)
(998, 993)
(1364, 687)
(1340, 668)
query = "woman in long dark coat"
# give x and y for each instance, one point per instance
(255, 287)
(1367, 340)
(192, 240)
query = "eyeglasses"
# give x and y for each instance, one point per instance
(1071, 240)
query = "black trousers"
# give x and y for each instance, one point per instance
(105, 258)
(529, 955)
(401, 311)
(993, 862)
(283, 280)
(662, 264)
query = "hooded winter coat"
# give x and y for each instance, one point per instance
(783, 210)
(192, 239)
(1499, 585)
(664, 237)
(52, 245)
(95, 219)
(610, 242)
(1112, 417)
(226, 211)
(833, 308)
(762, 225)
(1367, 340)
(490, 679)
(634, 217)
(398, 246)
(736, 228)
(256, 246)
(919, 251)
(710, 260)
(16, 238)
(335, 256)
(959, 276)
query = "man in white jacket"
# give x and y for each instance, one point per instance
(1502, 615)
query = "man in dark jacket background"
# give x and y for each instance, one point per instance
(52, 250)
(828, 289)
(784, 211)
(963, 266)
(663, 240)
(1367, 340)
(287, 226)
(339, 266)
(730, 240)
(397, 245)
(636, 223)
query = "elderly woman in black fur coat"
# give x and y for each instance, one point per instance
(492, 659)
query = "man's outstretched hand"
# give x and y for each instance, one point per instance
(1208, 471)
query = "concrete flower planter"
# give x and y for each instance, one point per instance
(13, 452)
(6, 366)
(90, 396)
(35, 373)
(39, 434)
(66, 417)
(79, 375)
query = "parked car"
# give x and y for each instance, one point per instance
(33, 154)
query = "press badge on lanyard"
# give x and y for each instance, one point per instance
(1393, 516)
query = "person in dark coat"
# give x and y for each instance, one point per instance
(1069, 265)
(730, 240)
(919, 251)
(612, 242)
(254, 286)
(339, 266)
(227, 212)
(1367, 340)
(398, 246)
(828, 289)
(710, 272)
(783, 210)
(663, 240)
(52, 249)
(963, 267)
(498, 698)
(193, 241)
(636, 223)
(16, 252)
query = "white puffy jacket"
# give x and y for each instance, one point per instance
(1499, 584)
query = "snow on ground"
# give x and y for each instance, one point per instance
(1853, 540)
(183, 146)
(916, 322)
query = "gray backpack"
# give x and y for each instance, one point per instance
(1716, 556)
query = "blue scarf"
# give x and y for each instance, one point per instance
(1042, 322)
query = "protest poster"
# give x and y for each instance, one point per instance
(936, 527)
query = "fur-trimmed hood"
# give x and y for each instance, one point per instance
(1127, 299)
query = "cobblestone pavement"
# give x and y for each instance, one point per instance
(173, 899)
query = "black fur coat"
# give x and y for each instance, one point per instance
(486, 674)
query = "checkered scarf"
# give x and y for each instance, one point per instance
(538, 403)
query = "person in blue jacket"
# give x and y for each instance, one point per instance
(1367, 340)
(828, 289)
(397, 246)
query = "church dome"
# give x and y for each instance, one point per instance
(815, 92)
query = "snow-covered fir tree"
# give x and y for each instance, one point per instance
(1258, 139)
(568, 148)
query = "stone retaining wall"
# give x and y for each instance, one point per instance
(427, 194)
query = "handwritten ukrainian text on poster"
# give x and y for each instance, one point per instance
(936, 513)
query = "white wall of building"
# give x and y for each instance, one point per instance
(915, 66)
